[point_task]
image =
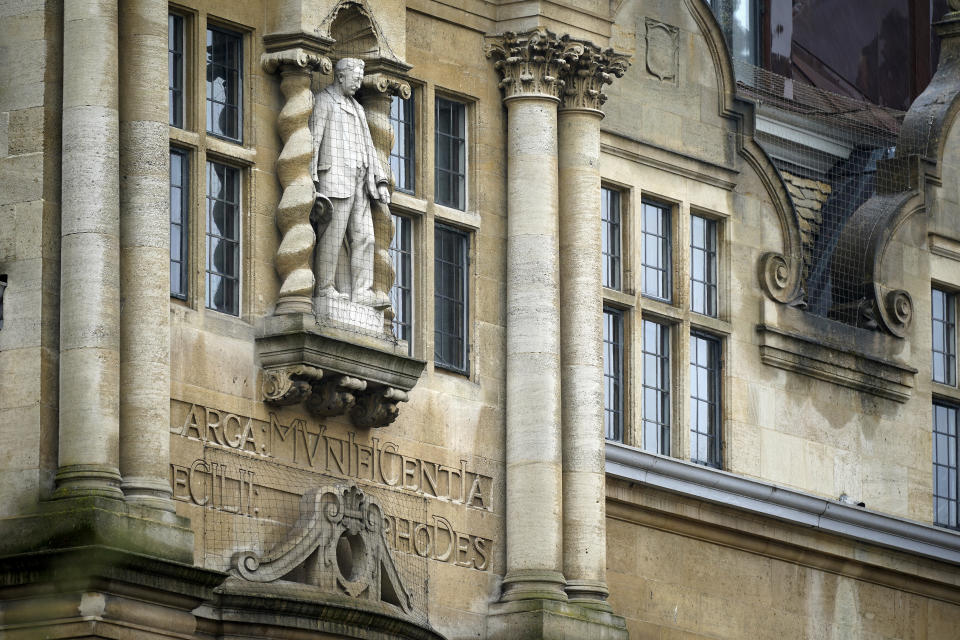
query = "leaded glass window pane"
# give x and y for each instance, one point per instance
(656, 387)
(224, 92)
(703, 266)
(223, 238)
(705, 400)
(175, 65)
(613, 374)
(945, 465)
(610, 218)
(944, 336)
(451, 154)
(656, 265)
(402, 154)
(179, 216)
(401, 294)
(451, 248)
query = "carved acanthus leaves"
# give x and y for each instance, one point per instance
(592, 68)
(334, 395)
(532, 63)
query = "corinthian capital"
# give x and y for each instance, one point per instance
(531, 63)
(590, 68)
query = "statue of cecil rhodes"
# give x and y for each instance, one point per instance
(347, 174)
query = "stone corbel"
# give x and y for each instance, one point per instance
(289, 385)
(590, 68)
(533, 63)
(378, 408)
(334, 396)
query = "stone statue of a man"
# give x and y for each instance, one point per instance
(347, 174)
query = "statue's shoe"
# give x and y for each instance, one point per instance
(330, 292)
(366, 298)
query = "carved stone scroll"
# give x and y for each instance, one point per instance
(338, 545)
(532, 63)
(293, 259)
(592, 68)
(289, 385)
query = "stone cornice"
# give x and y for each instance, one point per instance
(590, 67)
(789, 505)
(532, 64)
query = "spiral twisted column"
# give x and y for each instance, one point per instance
(295, 255)
(376, 96)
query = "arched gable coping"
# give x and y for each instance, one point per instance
(355, 32)
(780, 274)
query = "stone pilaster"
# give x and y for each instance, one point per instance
(530, 65)
(90, 279)
(295, 58)
(581, 299)
(376, 95)
(144, 255)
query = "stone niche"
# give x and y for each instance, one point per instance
(329, 342)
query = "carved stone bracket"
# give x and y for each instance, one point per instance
(337, 544)
(590, 68)
(289, 385)
(532, 63)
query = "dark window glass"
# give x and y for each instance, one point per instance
(703, 266)
(175, 61)
(610, 217)
(613, 374)
(944, 337)
(450, 298)
(656, 387)
(945, 465)
(705, 400)
(401, 251)
(451, 154)
(656, 251)
(223, 238)
(179, 207)
(224, 93)
(402, 154)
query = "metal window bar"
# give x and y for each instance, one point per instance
(944, 343)
(176, 70)
(656, 266)
(703, 266)
(945, 465)
(610, 220)
(179, 222)
(224, 83)
(403, 153)
(450, 156)
(223, 238)
(613, 374)
(656, 387)
(705, 400)
(401, 293)
(450, 298)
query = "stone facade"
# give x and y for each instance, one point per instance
(204, 455)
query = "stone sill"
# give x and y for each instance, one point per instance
(789, 505)
(824, 349)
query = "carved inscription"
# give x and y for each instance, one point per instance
(440, 541)
(208, 484)
(305, 443)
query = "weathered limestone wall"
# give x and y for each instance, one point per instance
(30, 59)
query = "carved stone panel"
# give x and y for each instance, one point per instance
(663, 50)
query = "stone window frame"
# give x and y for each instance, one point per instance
(949, 351)
(463, 203)
(218, 27)
(945, 443)
(410, 157)
(462, 368)
(405, 314)
(201, 147)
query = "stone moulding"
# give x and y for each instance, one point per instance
(827, 350)
(334, 372)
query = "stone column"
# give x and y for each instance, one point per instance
(144, 255)
(530, 65)
(296, 57)
(90, 282)
(376, 95)
(581, 301)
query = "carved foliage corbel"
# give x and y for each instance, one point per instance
(334, 396)
(289, 385)
(378, 408)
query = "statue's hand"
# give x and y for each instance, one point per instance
(384, 194)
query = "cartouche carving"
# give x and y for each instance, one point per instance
(289, 385)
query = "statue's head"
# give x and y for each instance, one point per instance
(349, 74)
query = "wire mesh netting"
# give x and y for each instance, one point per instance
(838, 157)
(283, 527)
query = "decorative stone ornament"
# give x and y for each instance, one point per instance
(663, 50)
(337, 544)
(592, 68)
(532, 63)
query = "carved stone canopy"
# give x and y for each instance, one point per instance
(338, 545)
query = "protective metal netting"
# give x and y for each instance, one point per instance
(253, 506)
(838, 157)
